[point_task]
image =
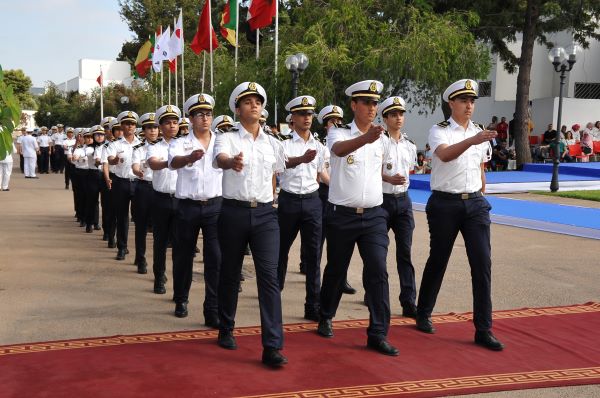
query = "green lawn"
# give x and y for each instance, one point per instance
(585, 195)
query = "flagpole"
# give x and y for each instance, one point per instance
(257, 43)
(211, 47)
(237, 28)
(101, 94)
(203, 69)
(276, 54)
(182, 61)
(162, 83)
(169, 96)
(176, 92)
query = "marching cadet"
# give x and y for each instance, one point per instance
(44, 144)
(108, 172)
(460, 149)
(58, 153)
(19, 149)
(355, 216)
(164, 181)
(51, 133)
(222, 123)
(104, 191)
(299, 207)
(95, 174)
(396, 202)
(184, 127)
(30, 149)
(124, 181)
(249, 158)
(199, 190)
(81, 180)
(68, 144)
(144, 194)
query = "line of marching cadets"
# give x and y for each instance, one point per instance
(351, 188)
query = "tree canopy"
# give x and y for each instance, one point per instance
(21, 84)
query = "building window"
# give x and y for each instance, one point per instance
(485, 89)
(587, 90)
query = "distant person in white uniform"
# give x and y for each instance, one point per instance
(6, 166)
(30, 149)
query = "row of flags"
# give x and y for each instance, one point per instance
(166, 46)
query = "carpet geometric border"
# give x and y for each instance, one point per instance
(30, 348)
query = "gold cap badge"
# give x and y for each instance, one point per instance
(468, 85)
(304, 101)
(169, 108)
(373, 87)
(201, 98)
(396, 101)
(252, 86)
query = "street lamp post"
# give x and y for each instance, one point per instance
(296, 64)
(563, 62)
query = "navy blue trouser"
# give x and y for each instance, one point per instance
(163, 228)
(143, 198)
(302, 215)
(446, 217)
(368, 231)
(258, 227)
(92, 187)
(80, 192)
(400, 220)
(123, 191)
(191, 217)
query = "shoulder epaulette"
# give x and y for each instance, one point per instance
(481, 126)
(343, 126)
(106, 144)
(155, 142)
(141, 144)
(231, 130)
(444, 124)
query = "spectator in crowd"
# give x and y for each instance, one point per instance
(563, 132)
(590, 129)
(500, 156)
(587, 142)
(569, 140)
(565, 157)
(549, 135)
(576, 133)
(596, 131)
(502, 129)
(423, 166)
(511, 130)
(493, 124)
(427, 153)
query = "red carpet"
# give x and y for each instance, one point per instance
(545, 347)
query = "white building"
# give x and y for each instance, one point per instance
(582, 83)
(89, 70)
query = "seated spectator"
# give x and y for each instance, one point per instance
(422, 166)
(563, 131)
(596, 131)
(500, 156)
(427, 153)
(569, 140)
(576, 133)
(564, 152)
(587, 142)
(493, 124)
(502, 129)
(549, 135)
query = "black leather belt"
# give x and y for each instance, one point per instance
(126, 179)
(144, 182)
(206, 202)
(300, 196)
(243, 203)
(395, 195)
(458, 196)
(352, 210)
(164, 194)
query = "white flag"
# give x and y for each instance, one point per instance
(176, 42)
(162, 52)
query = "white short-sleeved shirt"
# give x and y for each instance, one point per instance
(58, 138)
(355, 179)
(262, 158)
(463, 174)
(125, 151)
(81, 153)
(302, 179)
(43, 141)
(69, 143)
(139, 157)
(106, 148)
(164, 180)
(199, 180)
(402, 158)
(29, 146)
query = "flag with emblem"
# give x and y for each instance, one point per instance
(143, 61)
(261, 13)
(162, 52)
(229, 21)
(205, 38)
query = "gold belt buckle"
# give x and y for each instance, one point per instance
(360, 210)
(253, 203)
(464, 196)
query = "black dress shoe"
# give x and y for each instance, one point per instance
(409, 311)
(211, 319)
(347, 289)
(81, 224)
(382, 346)
(325, 328)
(96, 227)
(311, 315)
(181, 310)
(105, 237)
(164, 278)
(488, 340)
(424, 325)
(272, 357)
(126, 251)
(89, 229)
(302, 269)
(142, 269)
(111, 244)
(159, 286)
(226, 340)
(120, 255)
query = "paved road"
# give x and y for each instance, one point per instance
(57, 282)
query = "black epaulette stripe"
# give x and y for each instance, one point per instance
(481, 126)
(138, 146)
(445, 123)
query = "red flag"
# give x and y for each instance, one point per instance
(100, 79)
(201, 40)
(173, 64)
(261, 13)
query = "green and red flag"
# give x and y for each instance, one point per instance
(229, 21)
